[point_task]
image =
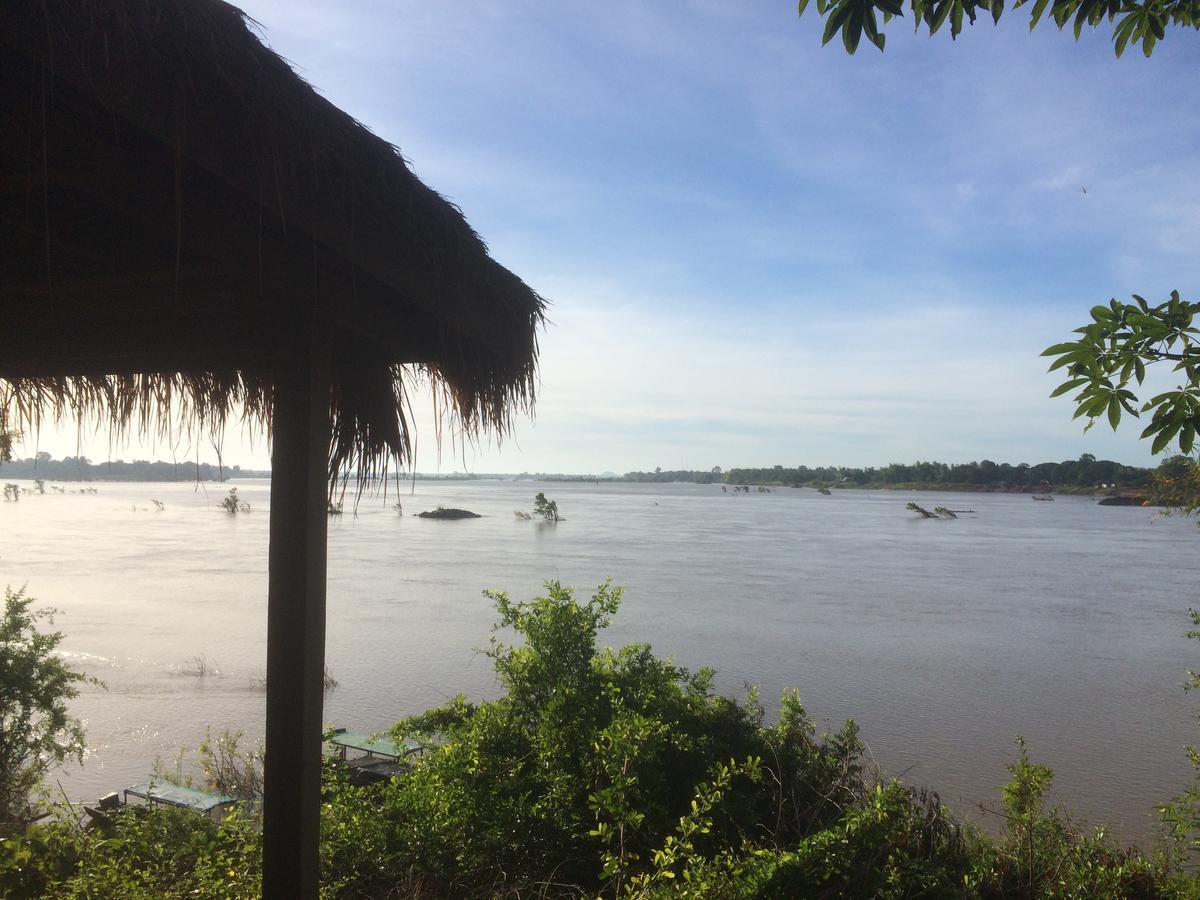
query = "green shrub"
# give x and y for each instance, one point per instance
(147, 852)
(37, 731)
(586, 764)
(1041, 854)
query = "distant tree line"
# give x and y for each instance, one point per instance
(711, 476)
(1087, 471)
(80, 468)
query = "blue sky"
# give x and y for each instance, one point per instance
(763, 251)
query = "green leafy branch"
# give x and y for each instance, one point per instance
(1141, 22)
(678, 854)
(1112, 354)
(37, 730)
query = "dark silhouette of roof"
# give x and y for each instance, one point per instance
(176, 203)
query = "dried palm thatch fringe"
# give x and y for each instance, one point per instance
(402, 289)
(369, 411)
(163, 407)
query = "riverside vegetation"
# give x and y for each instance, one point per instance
(612, 773)
(1085, 473)
(80, 468)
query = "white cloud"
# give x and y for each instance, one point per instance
(761, 251)
(1070, 177)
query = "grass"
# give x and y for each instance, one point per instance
(328, 681)
(200, 667)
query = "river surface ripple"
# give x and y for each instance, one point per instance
(1063, 622)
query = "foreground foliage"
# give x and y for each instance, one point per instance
(1112, 355)
(612, 773)
(6, 438)
(1136, 22)
(37, 731)
(1109, 361)
(1177, 486)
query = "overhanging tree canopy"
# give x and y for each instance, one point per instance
(1143, 22)
(190, 233)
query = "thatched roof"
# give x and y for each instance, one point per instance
(175, 203)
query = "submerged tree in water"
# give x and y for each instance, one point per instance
(233, 504)
(547, 509)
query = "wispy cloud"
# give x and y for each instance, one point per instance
(763, 251)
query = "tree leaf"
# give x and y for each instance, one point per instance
(1127, 369)
(1038, 8)
(939, 16)
(1069, 386)
(868, 24)
(1060, 11)
(852, 30)
(835, 20)
(1080, 19)
(1152, 428)
(1060, 348)
(1079, 356)
(1097, 405)
(871, 30)
(1164, 438)
(1114, 412)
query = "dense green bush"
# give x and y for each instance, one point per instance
(37, 731)
(611, 773)
(147, 853)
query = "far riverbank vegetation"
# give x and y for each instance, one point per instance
(80, 468)
(1087, 472)
(1083, 474)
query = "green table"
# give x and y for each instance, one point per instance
(372, 746)
(174, 795)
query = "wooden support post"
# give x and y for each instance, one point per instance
(296, 625)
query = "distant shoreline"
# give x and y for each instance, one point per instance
(1085, 476)
(1065, 489)
(1140, 494)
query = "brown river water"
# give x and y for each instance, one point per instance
(1063, 622)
